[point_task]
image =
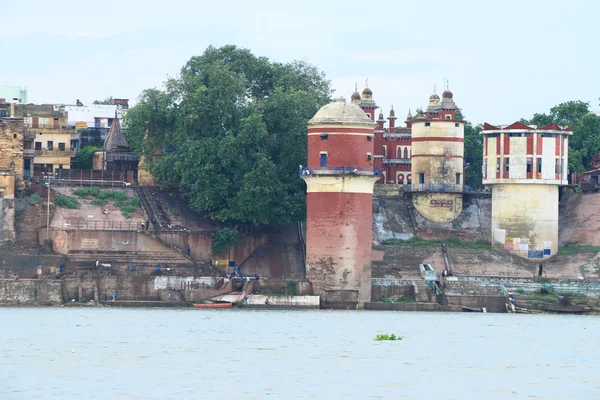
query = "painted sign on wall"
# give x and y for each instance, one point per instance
(441, 203)
(89, 243)
(535, 254)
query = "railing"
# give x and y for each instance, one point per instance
(397, 161)
(103, 225)
(50, 126)
(346, 170)
(438, 187)
(401, 136)
(28, 135)
(55, 153)
(111, 157)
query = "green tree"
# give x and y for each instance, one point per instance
(585, 141)
(473, 153)
(231, 132)
(85, 157)
(107, 101)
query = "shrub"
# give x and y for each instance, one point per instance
(224, 239)
(66, 201)
(35, 196)
(100, 202)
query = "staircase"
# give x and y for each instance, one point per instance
(121, 261)
(423, 292)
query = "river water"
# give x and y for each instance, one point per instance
(103, 353)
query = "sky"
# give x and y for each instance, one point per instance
(504, 60)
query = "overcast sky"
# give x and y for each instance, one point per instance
(504, 59)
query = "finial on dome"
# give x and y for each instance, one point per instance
(341, 99)
(434, 88)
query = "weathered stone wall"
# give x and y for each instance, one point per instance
(11, 149)
(26, 266)
(30, 292)
(395, 217)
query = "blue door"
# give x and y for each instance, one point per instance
(323, 160)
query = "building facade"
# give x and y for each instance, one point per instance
(525, 167)
(339, 183)
(13, 94)
(392, 144)
(11, 173)
(52, 143)
(437, 166)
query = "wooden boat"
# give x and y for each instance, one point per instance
(560, 308)
(469, 309)
(213, 305)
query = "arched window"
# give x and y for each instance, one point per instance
(408, 179)
(398, 152)
(400, 178)
(384, 151)
(384, 177)
(405, 152)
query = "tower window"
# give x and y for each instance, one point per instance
(497, 165)
(323, 159)
(324, 137)
(539, 169)
(506, 164)
(369, 138)
(529, 162)
(384, 151)
(458, 178)
(456, 124)
(427, 123)
(556, 166)
(421, 177)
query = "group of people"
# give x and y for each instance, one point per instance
(446, 273)
(115, 295)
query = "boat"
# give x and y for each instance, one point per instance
(469, 309)
(562, 308)
(213, 305)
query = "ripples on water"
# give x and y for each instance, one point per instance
(101, 353)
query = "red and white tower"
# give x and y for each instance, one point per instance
(339, 184)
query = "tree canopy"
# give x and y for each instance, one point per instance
(473, 153)
(229, 133)
(107, 101)
(585, 141)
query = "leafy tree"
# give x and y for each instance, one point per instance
(585, 141)
(85, 157)
(231, 130)
(473, 152)
(107, 101)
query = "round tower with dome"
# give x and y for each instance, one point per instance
(437, 167)
(339, 180)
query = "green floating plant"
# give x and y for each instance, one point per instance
(379, 337)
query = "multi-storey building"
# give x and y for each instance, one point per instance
(525, 165)
(52, 143)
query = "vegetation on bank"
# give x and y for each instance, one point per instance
(452, 242)
(403, 299)
(66, 201)
(119, 198)
(575, 248)
(381, 337)
(232, 130)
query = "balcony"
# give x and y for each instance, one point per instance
(28, 135)
(28, 153)
(335, 171)
(438, 188)
(55, 153)
(397, 136)
(127, 157)
(396, 161)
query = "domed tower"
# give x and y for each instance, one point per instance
(437, 167)
(367, 103)
(355, 98)
(339, 184)
(525, 167)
